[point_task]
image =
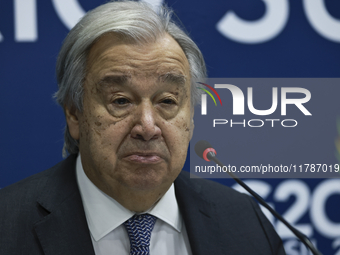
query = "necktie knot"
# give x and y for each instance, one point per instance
(139, 228)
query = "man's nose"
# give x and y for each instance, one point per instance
(145, 127)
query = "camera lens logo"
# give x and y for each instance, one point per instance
(204, 97)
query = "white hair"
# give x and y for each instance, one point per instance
(136, 21)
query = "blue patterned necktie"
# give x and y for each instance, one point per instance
(139, 229)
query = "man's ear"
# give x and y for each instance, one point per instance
(192, 125)
(72, 122)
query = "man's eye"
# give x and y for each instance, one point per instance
(168, 101)
(121, 101)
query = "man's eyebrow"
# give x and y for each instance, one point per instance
(173, 78)
(114, 79)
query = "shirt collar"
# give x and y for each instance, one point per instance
(105, 214)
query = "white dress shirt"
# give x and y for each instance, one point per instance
(105, 218)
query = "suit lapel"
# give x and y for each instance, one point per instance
(64, 229)
(198, 215)
(202, 219)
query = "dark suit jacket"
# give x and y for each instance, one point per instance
(44, 214)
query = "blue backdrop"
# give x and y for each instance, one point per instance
(239, 38)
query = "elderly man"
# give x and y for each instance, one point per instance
(126, 78)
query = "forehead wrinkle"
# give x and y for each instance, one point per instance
(143, 63)
(162, 65)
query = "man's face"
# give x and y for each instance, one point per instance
(134, 129)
